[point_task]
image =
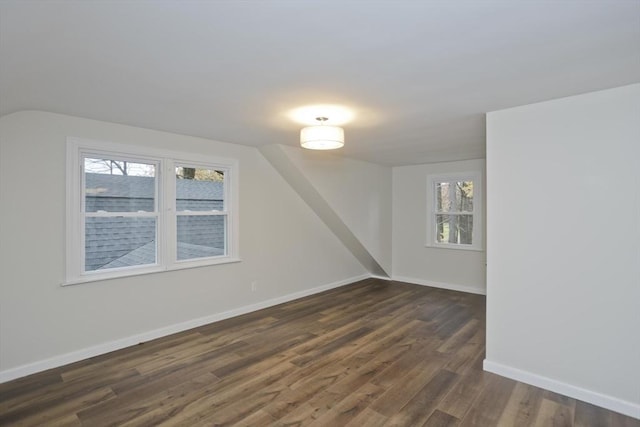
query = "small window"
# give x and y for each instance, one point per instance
(132, 210)
(454, 207)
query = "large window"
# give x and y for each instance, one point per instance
(454, 206)
(134, 210)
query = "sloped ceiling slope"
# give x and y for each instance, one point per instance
(418, 75)
(358, 212)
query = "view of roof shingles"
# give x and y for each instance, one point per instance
(112, 242)
(105, 185)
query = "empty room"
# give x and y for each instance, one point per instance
(320, 213)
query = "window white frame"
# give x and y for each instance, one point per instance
(477, 235)
(177, 213)
(165, 212)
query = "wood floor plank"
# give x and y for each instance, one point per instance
(441, 419)
(55, 395)
(398, 337)
(489, 405)
(591, 415)
(331, 346)
(244, 362)
(301, 416)
(466, 354)
(302, 392)
(620, 420)
(47, 415)
(369, 418)
(126, 358)
(462, 395)
(406, 387)
(350, 407)
(144, 408)
(553, 414)
(365, 373)
(191, 352)
(421, 406)
(523, 406)
(372, 353)
(417, 354)
(198, 405)
(258, 418)
(234, 411)
(462, 336)
(30, 384)
(453, 320)
(298, 408)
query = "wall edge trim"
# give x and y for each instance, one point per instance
(605, 401)
(450, 286)
(96, 350)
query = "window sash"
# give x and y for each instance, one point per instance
(195, 213)
(225, 239)
(119, 157)
(207, 166)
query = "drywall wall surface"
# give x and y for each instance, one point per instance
(358, 192)
(413, 261)
(284, 247)
(307, 191)
(563, 279)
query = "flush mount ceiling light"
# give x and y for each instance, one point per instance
(322, 137)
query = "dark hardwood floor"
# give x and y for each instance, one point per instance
(373, 353)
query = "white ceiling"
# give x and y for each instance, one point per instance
(418, 75)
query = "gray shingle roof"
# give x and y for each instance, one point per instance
(112, 242)
(104, 185)
(109, 238)
(146, 254)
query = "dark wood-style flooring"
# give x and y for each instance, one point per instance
(373, 353)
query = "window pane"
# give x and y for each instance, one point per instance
(119, 186)
(456, 229)
(443, 202)
(112, 242)
(201, 236)
(464, 196)
(442, 228)
(465, 229)
(199, 189)
(456, 196)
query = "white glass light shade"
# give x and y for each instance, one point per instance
(322, 137)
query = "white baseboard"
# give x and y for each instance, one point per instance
(75, 356)
(612, 403)
(462, 288)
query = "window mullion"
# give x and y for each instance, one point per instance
(104, 214)
(201, 213)
(169, 213)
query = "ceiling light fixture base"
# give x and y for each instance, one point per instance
(322, 137)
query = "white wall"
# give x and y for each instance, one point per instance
(412, 261)
(42, 323)
(359, 192)
(564, 246)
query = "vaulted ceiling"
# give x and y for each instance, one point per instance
(417, 75)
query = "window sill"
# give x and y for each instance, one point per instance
(184, 265)
(455, 247)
